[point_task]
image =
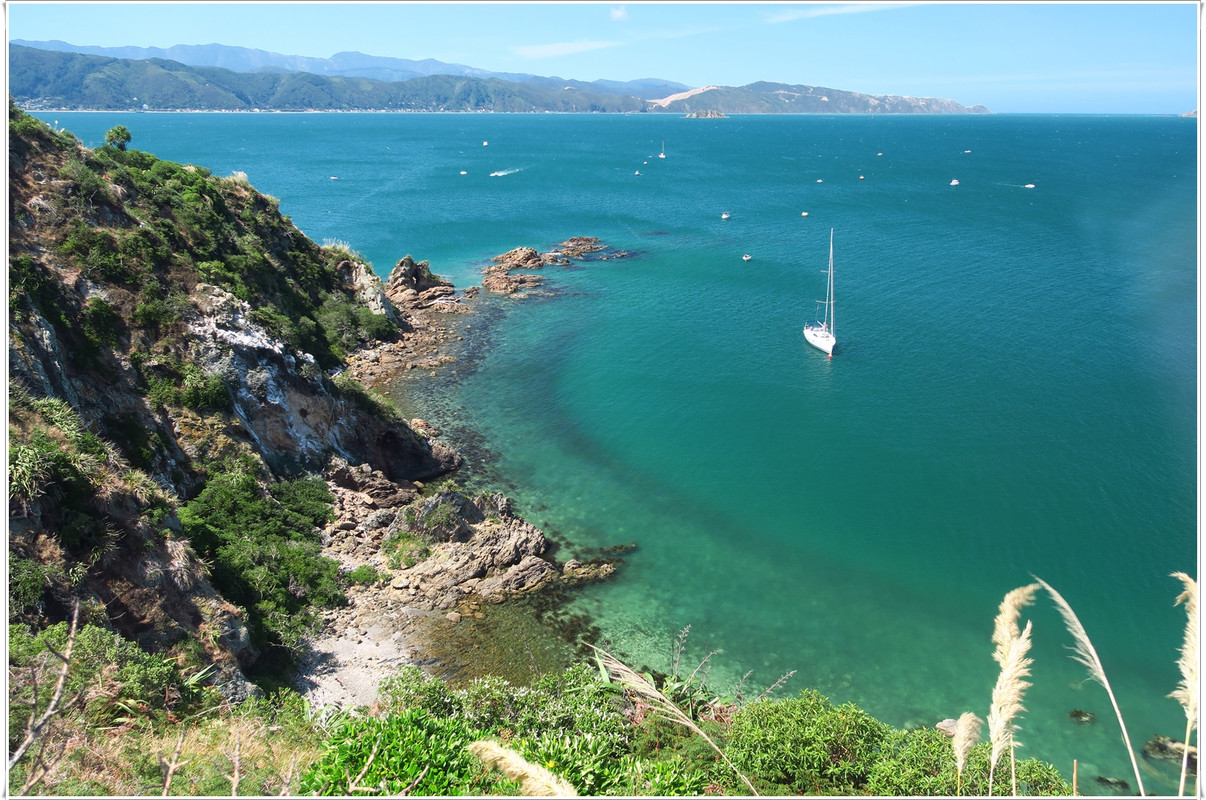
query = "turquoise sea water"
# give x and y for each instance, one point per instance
(1014, 390)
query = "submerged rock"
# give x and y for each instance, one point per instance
(1163, 748)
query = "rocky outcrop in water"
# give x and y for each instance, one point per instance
(501, 277)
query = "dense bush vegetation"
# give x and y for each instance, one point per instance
(265, 551)
(156, 228)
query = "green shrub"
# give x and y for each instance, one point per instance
(102, 325)
(805, 745)
(265, 551)
(26, 584)
(364, 574)
(410, 688)
(409, 752)
(922, 762)
(118, 674)
(571, 702)
(588, 763)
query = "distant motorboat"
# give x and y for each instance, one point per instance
(746, 257)
(1028, 186)
(638, 172)
(334, 177)
(663, 153)
(803, 213)
(820, 333)
(725, 215)
(954, 183)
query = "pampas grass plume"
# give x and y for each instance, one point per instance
(1005, 628)
(967, 733)
(1084, 652)
(1187, 691)
(1007, 698)
(535, 779)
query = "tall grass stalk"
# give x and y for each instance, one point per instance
(635, 682)
(967, 733)
(1084, 652)
(1005, 631)
(1186, 692)
(1007, 702)
(535, 780)
(1005, 628)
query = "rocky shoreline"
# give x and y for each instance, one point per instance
(440, 558)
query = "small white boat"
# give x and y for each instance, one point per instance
(725, 215)
(464, 173)
(638, 172)
(1028, 186)
(746, 257)
(820, 333)
(954, 183)
(803, 213)
(663, 153)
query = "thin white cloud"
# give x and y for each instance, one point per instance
(619, 13)
(811, 12)
(555, 49)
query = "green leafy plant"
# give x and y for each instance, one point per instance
(265, 551)
(411, 752)
(805, 745)
(365, 574)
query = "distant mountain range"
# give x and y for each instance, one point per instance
(57, 75)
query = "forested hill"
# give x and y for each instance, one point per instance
(45, 79)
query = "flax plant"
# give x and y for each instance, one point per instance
(1187, 691)
(647, 691)
(1084, 652)
(967, 733)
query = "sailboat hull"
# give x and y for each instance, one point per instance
(820, 338)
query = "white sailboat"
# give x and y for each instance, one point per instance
(820, 333)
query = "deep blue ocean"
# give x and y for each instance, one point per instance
(1014, 391)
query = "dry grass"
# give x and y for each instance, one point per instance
(202, 758)
(1084, 652)
(535, 779)
(967, 733)
(1007, 701)
(1186, 692)
(1005, 627)
(659, 702)
(1005, 635)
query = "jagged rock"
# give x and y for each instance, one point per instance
(530, 572)
(360, 279)
(575, 573)
(411, 284)
(384, 492)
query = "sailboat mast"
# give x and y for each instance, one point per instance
(829, 305)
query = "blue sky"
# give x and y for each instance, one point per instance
(1011, 57)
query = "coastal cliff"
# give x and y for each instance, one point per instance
(180, 355)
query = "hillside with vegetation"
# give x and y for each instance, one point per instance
(61, 80)
(180, 430)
